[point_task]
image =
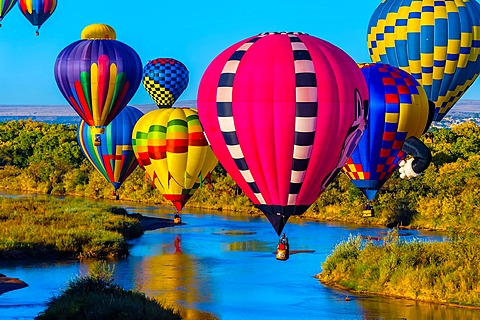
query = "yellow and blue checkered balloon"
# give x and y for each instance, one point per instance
(437, 41)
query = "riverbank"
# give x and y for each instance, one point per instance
(49, 228)
(445, 272)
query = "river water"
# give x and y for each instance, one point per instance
(217, 266)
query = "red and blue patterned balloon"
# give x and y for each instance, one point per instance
(398, 109)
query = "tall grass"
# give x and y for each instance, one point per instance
(45, 226)
(446, 272)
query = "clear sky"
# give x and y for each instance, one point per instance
(193, 32)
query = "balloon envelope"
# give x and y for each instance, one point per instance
(398, 109)
(5, 7)
(114, 157)
(37, 11)
(438, 42)
(165, 79)
(98, 78)
(171, 146)
(283, 112)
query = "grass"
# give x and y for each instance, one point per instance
(45, 227)
(444, 272)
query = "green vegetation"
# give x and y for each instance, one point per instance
(96, 297)
(45, 158)
(43, 227)
(445, 272)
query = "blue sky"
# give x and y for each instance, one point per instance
(194, 32)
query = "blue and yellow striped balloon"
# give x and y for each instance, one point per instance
(437, 41)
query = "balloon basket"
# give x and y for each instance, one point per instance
(177, 219)
(368, 212)
(282, 254)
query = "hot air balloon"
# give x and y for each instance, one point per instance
(37, 11)
(165, 79)
(5, 7)
(282, 112)
(98, 77)
(438, 42)
(398, 110)
(114, 158)
(170, 145)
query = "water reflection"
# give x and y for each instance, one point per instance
(249, 245)
(172, 278)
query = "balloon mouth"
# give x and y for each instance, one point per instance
(98, 130)
(282, 32)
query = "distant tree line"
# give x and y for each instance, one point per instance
(46, 158)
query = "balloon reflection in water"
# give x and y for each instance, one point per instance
(171, 277)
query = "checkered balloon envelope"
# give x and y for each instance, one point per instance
(165, 79)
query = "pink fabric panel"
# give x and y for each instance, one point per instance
(207, 112)
(264, 112)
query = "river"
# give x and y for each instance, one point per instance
(219, 266)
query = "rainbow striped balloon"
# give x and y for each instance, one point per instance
(98, 78)
(438, 42)
(170, 145)
(114, 157)
(5, 7)
(37, 11)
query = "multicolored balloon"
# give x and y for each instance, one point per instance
(98, 77)
(114, 158)
(283, 112)
(37, 11)
(438, 42)
(171, 146)
(5, 7)
(398, 110)
(165, 79)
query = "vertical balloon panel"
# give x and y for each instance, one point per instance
(438, 42)
(283, 112)
(114, 157)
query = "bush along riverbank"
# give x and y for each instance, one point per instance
(442, 272)
(96, 296)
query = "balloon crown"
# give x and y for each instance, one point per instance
(281, 32)
(98, 31)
